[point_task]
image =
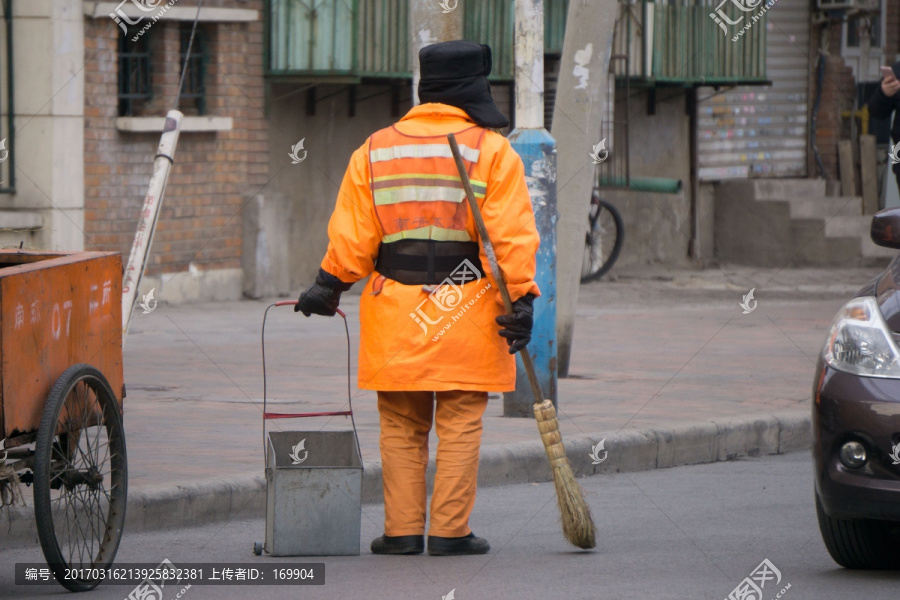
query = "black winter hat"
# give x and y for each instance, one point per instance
(455, 73)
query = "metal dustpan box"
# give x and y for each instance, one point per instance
(313, 493)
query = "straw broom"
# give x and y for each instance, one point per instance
(578, 526)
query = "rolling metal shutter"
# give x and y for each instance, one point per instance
(760, 131)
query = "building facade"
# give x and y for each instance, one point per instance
(276, 98)
(92, 82)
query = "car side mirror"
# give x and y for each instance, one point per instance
(886, 228)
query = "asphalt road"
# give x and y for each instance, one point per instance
(671, 534)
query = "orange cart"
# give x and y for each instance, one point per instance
(61, 392)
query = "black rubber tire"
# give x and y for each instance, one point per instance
(258, 548)
(49, 449)
(857, 543)
(617, 246)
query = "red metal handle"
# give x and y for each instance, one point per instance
(294, 303)
(268, 415)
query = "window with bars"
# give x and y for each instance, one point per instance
(193, 95)
(135, 85)
(860, 27)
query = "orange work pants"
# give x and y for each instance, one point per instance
(406, 419)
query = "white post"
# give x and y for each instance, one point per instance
(538, 152)
(143, 237)
(431, 21)
(529, 56)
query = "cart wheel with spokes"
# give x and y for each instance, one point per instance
(80, 476)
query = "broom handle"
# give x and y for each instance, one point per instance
(492, 260)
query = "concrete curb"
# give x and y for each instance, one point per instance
(681, 443)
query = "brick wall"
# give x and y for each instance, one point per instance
(892, 29)
(839, 89)
(838, 95)
(214, 172)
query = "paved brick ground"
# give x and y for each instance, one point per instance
(652, 347)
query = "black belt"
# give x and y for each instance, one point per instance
(429, 262)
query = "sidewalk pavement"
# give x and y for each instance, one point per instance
(665, 368)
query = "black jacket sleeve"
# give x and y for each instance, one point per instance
(881, 106)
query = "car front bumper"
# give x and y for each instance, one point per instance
(865, 409)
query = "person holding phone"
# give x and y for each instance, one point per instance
(885, 101)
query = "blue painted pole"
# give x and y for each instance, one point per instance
(538, 151)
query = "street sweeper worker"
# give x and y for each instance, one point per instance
(434, 336)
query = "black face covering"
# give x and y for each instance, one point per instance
(455, 73)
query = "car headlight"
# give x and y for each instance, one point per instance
(860, 343)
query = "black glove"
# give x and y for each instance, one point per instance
(322, 297)
(517, 326)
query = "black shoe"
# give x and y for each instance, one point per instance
(444, 546)
(399, 544)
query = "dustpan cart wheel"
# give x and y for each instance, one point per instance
(80, 476)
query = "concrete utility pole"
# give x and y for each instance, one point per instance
(431, 21)
(538, 151)
(580, 105)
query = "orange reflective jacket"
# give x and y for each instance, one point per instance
(402, 184)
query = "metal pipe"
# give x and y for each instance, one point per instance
(10, 98)
(143, 237)
(694, 248)
(660, 185)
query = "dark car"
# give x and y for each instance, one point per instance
(856, 420)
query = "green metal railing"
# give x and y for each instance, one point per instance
(383, 42)
(311, 36)
(683, 43)
(555, 13)
(370, 38)
(492, 22)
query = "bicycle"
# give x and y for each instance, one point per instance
(603, 240)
